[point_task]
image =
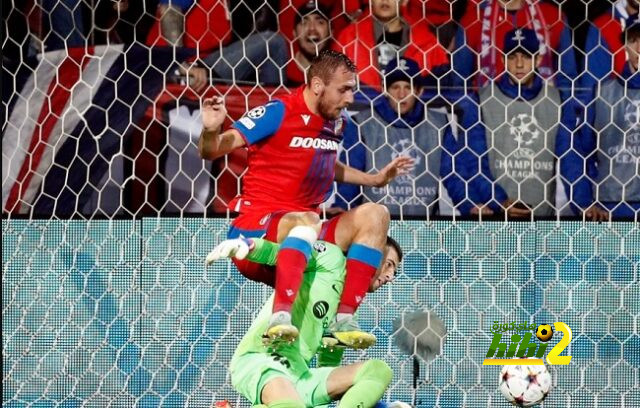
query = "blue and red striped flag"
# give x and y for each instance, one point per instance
(70, 118)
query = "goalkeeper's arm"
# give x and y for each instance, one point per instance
(254, 249)
(264, 252)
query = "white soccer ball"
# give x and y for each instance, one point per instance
(525, 385)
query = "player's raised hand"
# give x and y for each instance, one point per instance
(397, 167)
(213, 113)
(231, 248)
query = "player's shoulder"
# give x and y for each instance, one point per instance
(293, 99)
(271, 112)
(273, 107)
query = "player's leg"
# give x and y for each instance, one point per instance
(256, 272)
(296, 232)
(279, 392)
(360, 384)
(250, 226)
(355, 385)
(362, 233)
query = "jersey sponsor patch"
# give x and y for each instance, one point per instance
(248, 123)
(256, 113)
(320, 309)
(313, 143)
(319, 247)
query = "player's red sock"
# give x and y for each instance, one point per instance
(290, 264)
(362, 263)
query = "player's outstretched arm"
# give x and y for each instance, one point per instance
(255, 249)
(397, 167)
(213, 142)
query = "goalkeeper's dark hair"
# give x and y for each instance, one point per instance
(325, 64)
(394, 244)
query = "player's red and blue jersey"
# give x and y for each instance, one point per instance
(291, 159)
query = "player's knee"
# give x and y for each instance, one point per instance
(309, 219)
(286, 403)
(372, 211)
(304, 225)
(304, 222)
(305, 219)
(375, 370)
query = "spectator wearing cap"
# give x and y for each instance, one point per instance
(485, 24)
(312, 34)
(604, 49)
(399, 124)
(382, 35)
(527, 132)
(613, 144)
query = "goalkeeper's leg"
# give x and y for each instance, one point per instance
(360, 384)
(280, 393)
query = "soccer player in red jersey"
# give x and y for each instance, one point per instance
(292, 163)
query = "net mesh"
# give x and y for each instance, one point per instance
(120, 312)
(105, 298)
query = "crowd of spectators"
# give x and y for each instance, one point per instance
(494, 99)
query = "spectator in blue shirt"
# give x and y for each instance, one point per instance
(399, 124)
(604, 49)
(526, 133)
(613, 145)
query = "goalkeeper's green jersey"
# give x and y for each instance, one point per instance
(313, 310)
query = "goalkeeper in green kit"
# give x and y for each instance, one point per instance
(278, 376)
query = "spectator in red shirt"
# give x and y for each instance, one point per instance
(381, 36)
(312, 34)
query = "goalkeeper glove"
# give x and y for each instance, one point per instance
(231, 248)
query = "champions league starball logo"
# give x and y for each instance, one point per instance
(631, 114)
(405, 147)
(525, 130)
(629, 150)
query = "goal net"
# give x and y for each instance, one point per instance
(109, 212)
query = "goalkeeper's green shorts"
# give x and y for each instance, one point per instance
(252, 371)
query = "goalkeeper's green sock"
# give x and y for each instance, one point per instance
(369, 385)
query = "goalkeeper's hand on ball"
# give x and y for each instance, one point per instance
(237, 248)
